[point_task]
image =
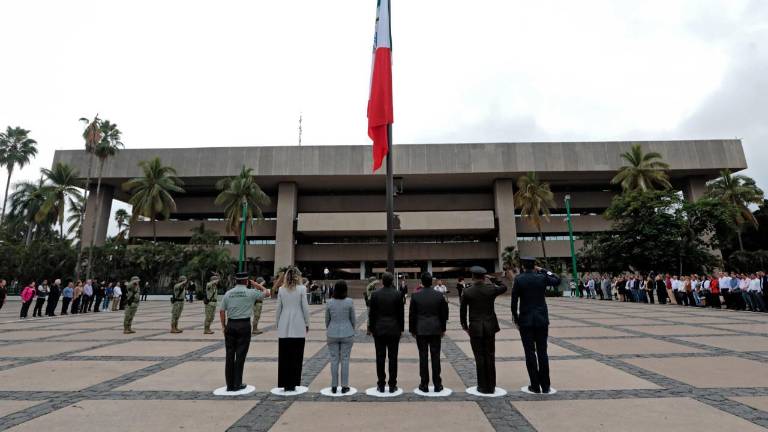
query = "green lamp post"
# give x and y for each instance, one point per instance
(242, 238)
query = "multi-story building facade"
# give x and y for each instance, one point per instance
(455, 202)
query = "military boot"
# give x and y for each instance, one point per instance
(175, 329)
(128, 331)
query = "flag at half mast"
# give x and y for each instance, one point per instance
(380, 100)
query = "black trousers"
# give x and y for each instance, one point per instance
(386, 346)
(97, 302)
(484, 350)
(25, 308)
(65, 305)
(536, 359)
(38, 311)
(76, 305)
(429, 346)
(290, 357)
(650, 295)
(50, 309)
(237, 340)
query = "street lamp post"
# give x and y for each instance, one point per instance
(573, 248)
(242, 237)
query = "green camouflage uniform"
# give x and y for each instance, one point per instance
(211, 294)
(257, 314)
(178, 302)
(132, 294)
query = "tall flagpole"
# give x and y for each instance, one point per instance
(390, 204)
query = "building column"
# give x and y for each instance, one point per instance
(362, 270)
(104, 202)
(694, 188)
(504, 203)
(287, 199)
(429, 266)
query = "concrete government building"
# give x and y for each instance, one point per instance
(454, 204)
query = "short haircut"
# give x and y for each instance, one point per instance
(387, 279)
(340, 290)
(426, 279)
(529, 264)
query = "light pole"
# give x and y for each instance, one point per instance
(573, 248)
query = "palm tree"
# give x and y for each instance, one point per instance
(107, 147)
(62, 184)
(151, 193)
(643, 172)
(739, 191)
(535, 199)
(121, 217)
(26, 201)
(75, 218)
(16, 150)
(238, 190)
(510, 259)
(92, 136)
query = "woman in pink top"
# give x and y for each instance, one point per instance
(27, 294)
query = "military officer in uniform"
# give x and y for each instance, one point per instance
(177, 303)
(477, 301)
(210, 299)
(235, 315)
(132, 295)
(258, 284)
(533, 320)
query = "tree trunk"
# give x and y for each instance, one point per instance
(94, 223)
(543, 248)
(7, 186)
(738, 234)
(82, 219)
(154, 231)
(28, 239)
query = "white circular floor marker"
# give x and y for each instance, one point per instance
(373, 391)
(445, 392)
(280, 392)
(327, 392)
(222, 391)
(498, 393)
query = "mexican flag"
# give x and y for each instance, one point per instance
(380, 99)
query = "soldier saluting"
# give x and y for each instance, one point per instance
(132, 294)
(533, 320)
(177, 302)
(209, 300)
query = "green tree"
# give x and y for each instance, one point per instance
(27, 200)
(235, 191)
(92, 136)
(62, 184)
(739, 191)
(121, 218)
(16, 150)
(151, 194)
(534, 199)
(643, 172)
(510, 258)
(75, 218)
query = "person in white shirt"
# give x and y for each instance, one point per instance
(116, 294)
(753, 295)
(591, 288)
(676, 285)
(724, 282)
(440, 287)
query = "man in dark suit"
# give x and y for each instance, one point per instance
(482, 325)
(427, 319)
(386, 324)
(533, 320)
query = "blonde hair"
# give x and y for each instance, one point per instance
(291, 277)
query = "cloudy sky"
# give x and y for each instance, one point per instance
(233, 73)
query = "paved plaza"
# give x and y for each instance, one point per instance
(617, 367)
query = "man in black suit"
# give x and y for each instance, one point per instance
(482, 325)
(427, 319)
(386, 324)
(533, 320)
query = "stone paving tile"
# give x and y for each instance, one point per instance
(591, 331)
(630, 415)
(757, 402)
(709, 372)
(11, 406)
(515, 349)
(677, 329)
(42, 349)
(363, 376)
(60, 375)
(204, 376)
(761, 329)
(633, 345)
(579, 374)
(160, 416)
(269, 350)
(22, 335)
(146, 349)
(734, 343)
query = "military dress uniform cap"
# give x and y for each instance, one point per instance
(260, 280)
(241, 275)
(135, 279)
(478, 270)
(527, 259)
(182, 278)
(214, 278)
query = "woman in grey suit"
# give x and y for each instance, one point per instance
(292, 318)
(340, 325)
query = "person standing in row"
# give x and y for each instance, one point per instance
(532, 320)
(27, 294)
(117, 294)
(42, 291)
(177, 303)
(109, 291)
(210, 300)
(98, 294)
(53, 298)
(85, 301)
(3, 292)
(145, 291)
(292, 316)
(77, 298)
(478, 319)
(386, 323)
(257, 307)
(132, 293)
(340, 323)
(427, 321)
(235, 316)
(67, 295)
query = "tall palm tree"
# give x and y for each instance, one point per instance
(739, 191)
(16, 150)
(92, 136)
(121, 217)
(643, 172)
(151, 193)
(234, 192)
(107, 147)
(75, 218)
(535, 199)
(62, 183)
(26, 201)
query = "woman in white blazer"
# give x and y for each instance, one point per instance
(292, 318)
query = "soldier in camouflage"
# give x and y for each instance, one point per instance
(177, 302)
(210, 300)
(257, 306)
(132, 294)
